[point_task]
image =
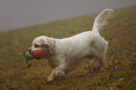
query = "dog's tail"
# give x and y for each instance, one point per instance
(101, 19)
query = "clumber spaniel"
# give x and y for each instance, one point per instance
(65, 54)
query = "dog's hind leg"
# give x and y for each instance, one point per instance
(102, 63)
(99, 52)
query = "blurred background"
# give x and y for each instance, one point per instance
(22, 13)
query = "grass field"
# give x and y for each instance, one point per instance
(121, 56)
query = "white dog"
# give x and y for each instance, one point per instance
(65, 54)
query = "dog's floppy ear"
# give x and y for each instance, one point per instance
(50, 45)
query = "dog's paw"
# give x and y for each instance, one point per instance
(102, 68)
(49, 79)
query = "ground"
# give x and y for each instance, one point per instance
(120, 73)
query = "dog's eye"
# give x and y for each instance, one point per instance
(36, 45)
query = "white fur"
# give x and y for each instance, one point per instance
(65, 54)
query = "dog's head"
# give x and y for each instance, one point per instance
(43, 43)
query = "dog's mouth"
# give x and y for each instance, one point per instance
(29, 55)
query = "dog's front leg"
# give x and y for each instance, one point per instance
(58, 71)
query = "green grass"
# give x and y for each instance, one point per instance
(121, 56)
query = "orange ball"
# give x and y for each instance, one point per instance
(38, 54)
